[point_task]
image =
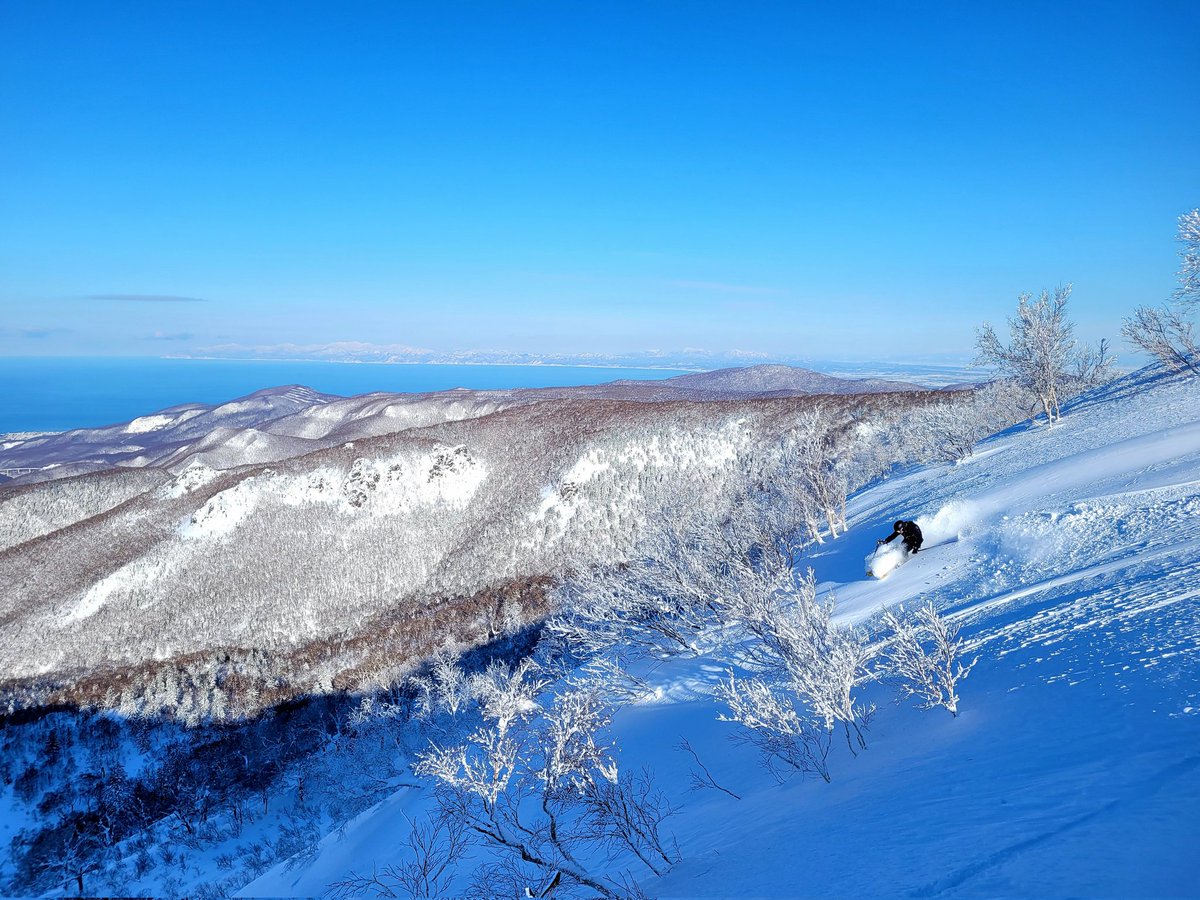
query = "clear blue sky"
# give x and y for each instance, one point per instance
(830, 180)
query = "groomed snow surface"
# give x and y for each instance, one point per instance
(1070, 557)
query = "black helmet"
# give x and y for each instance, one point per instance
(899, 524)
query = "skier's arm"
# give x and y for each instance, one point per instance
(891, 537)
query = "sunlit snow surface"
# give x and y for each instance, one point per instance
(1070, 556)
(885, 559)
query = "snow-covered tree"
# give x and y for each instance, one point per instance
(1165, 333)
(924, 656)
(1040, 350)
(656, 605)
(777, 724)
(1168, 332)
(1093, 366)
(445, 688)
(949, 430)
(796, 643)
(540, 787)
(804, 671)
(810, 465)
(1188, 292)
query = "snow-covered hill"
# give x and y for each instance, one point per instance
(774, 378)
(283, 422)
(267, 426)
(1070, 557)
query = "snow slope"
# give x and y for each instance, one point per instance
(1070, 556)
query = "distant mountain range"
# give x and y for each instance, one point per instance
(361, 351)
(777, 379)
(940, 371)
(283, 422)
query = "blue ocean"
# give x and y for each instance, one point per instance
(59, 393)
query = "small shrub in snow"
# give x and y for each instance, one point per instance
(702, 776)
(626, 814)
(924, 657)
(435, 847)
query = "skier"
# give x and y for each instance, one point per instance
(909, 532)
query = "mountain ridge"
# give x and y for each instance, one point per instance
(277, 423)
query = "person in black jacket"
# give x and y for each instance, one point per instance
(909, 532)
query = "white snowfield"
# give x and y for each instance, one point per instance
(1070, 556)
(267, 426)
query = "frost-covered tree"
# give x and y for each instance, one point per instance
(1168, 332)
(796, 643)
(1040, 351)
(657, 605)
(540, 787)
(777, 725)
(811, 457)
(445, 688)
(688, 579)
(1188, 292)
(1093, 366)
(924, 656)
(803, 673)
(949, 430)
(1165, 333)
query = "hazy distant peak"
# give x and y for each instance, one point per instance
(771, 378)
